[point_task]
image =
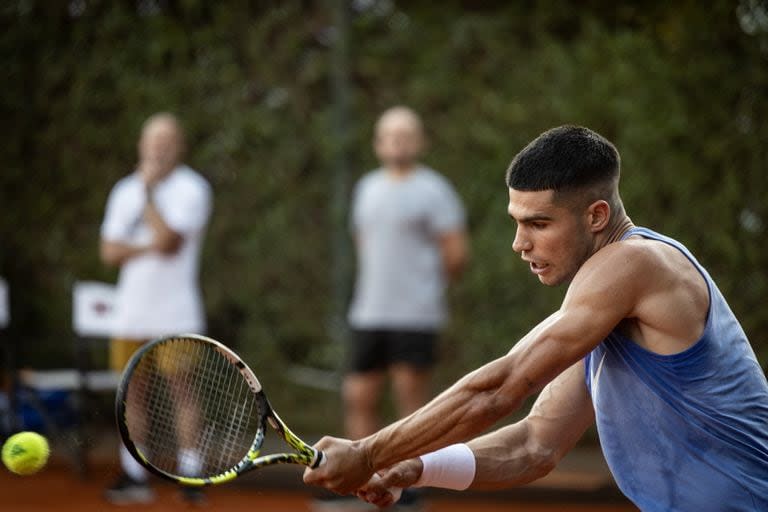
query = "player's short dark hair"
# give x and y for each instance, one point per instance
(565, 159)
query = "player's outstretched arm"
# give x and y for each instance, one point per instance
(511, 456)
(529, 449)
(605, 291)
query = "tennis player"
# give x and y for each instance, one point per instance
(644, 345)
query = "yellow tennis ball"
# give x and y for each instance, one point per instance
(25, 453)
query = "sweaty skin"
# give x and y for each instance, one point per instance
(646, 288)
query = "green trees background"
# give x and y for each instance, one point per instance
(682, 90)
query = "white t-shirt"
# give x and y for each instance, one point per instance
(400, 275)
(159, 294)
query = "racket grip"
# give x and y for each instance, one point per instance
(319, 459)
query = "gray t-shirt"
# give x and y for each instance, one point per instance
(397, 221)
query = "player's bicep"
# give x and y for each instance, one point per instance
(604, 292)
(562, 412)
(529, 449)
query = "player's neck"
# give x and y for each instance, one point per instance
(616, 231)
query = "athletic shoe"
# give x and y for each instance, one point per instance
(410, 501)
(127, 491)
(193, 496)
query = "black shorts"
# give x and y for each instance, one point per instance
(377, 349)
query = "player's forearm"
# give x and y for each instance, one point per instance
(505, 458)
(479, 399)
(463, 411)
(508, 458)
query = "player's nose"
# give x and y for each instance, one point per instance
(521, 242)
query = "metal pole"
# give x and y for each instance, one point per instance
(340, 181)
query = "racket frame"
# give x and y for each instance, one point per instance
(304, 454)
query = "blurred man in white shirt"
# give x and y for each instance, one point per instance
(153, 230)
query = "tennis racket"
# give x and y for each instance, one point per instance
(191, 411)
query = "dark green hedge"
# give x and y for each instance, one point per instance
(680, 88)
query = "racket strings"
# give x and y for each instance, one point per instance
(190, 410)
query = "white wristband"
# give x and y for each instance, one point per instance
(452, 467)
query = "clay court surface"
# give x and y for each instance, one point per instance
(58, 488)
(580, 483)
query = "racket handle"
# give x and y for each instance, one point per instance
(319, 459)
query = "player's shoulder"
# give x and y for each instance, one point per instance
(634, 246)
(629, 252)
(649, 251)
(634, 260)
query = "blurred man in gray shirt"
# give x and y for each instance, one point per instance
(409, 229)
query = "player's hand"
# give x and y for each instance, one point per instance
(346, 466)
(376, 493)
(385, 487)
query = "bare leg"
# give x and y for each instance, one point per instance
(120, 352)
(136, 420)
(187, 414)
(411, 387)
(362, 394)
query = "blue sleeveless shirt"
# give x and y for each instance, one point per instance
(688, 431)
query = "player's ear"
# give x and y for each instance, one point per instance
(598, 215)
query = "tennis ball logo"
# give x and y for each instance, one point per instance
(25, 453)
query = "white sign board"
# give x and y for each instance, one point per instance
(5, 308)
(93, 309)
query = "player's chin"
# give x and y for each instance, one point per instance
(550, 277)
